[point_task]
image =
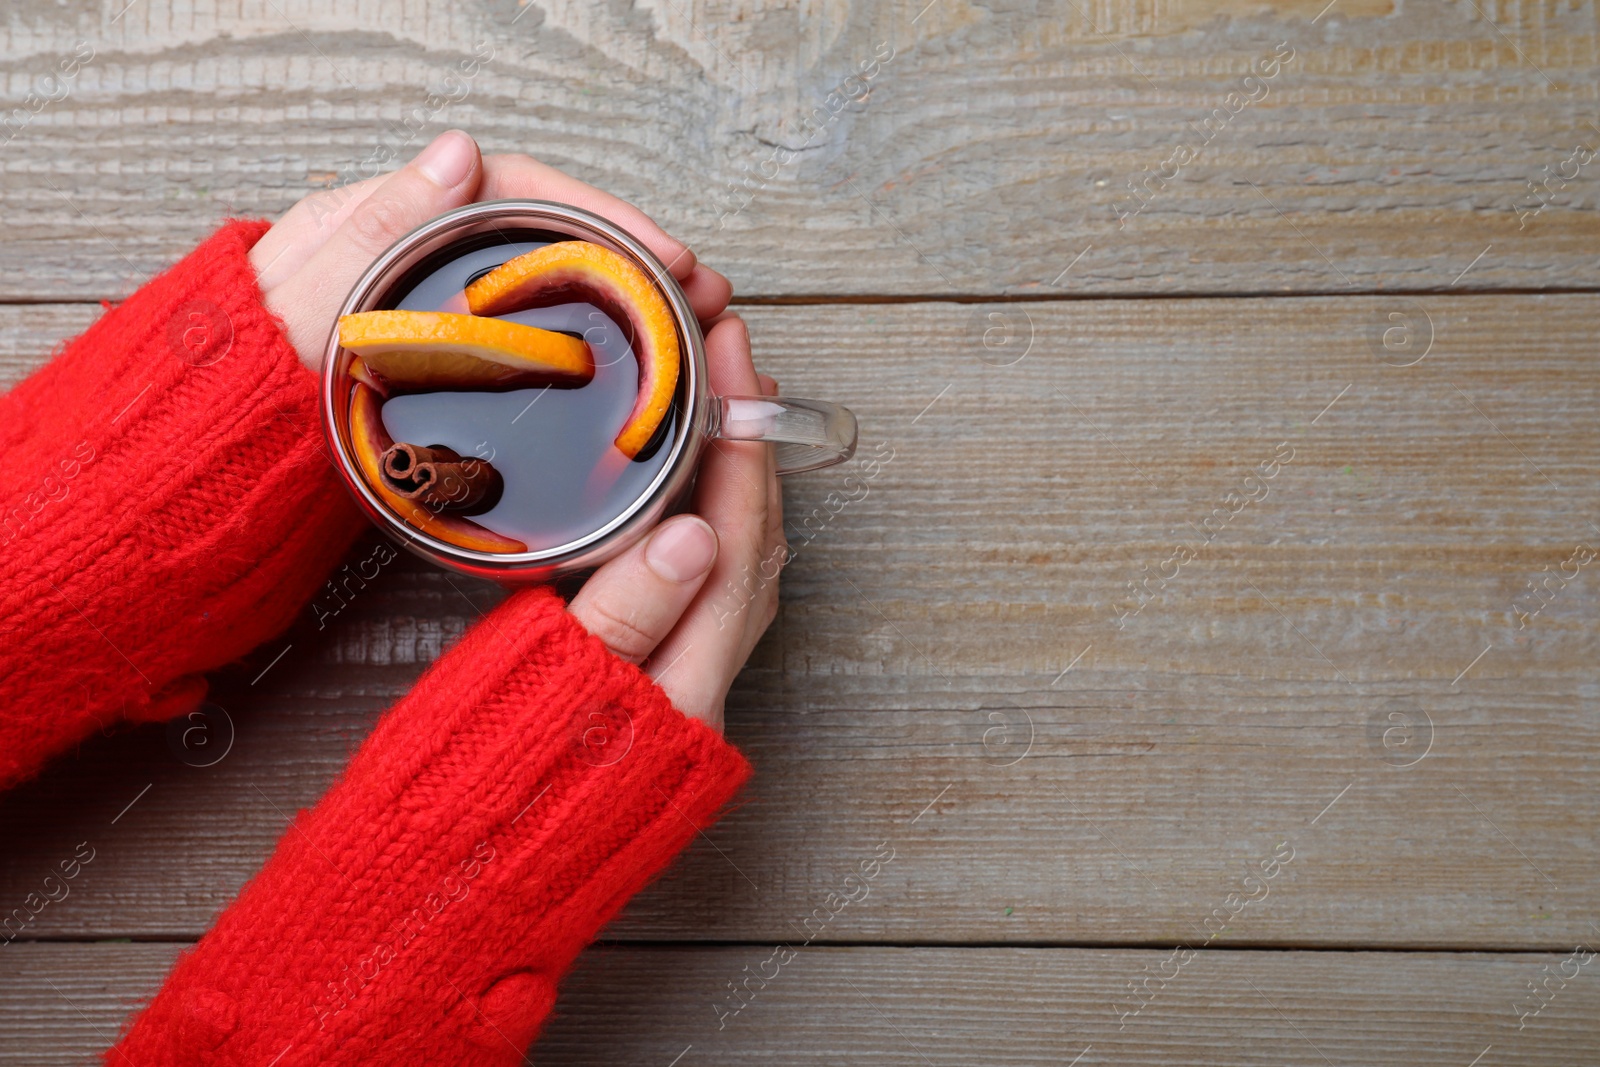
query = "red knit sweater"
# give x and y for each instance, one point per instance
(168, 507)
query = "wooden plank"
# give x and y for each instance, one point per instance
(1393, 149)
(30, 332)
(61, 1004)
(1262, 696)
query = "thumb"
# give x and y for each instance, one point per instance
(445, 175)
(632, 602)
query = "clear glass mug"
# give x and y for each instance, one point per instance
(807, 434)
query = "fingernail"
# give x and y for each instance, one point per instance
(449, 159)
(682, 550)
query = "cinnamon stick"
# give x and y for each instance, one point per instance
(440, 479)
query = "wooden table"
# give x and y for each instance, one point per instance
(1182, 645)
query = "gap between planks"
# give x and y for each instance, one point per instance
(850, 299)
(973, 946)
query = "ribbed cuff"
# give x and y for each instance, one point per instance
(168, 506)
(495, 819)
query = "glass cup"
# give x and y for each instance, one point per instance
(807, 434)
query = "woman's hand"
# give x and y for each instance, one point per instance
(690, 602)
(308, 262)
(692, 599)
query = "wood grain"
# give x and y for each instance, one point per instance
(63, 1003)
(996, 146)
(1316, 676)
(1053, 639)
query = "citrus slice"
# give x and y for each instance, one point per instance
(359, 371)
(440, 350)
(579, 270)
(369, 441)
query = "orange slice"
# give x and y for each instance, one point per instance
(578, 270)
(439, 350)
(369, 441)
(359, 371)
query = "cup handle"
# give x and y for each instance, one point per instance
(806, 434)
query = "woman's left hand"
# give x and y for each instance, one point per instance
(308, 262)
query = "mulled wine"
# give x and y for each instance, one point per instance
(516, 396)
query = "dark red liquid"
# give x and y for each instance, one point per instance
(552, 446)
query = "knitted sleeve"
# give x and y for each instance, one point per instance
(422, 913)
(166, 506)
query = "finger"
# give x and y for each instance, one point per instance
(634, 601)
(774, 555)
(304, 228)
(445, 175)
(524, 177)
(760, 596)
(708, 292)
(732, 495)
(777, 545)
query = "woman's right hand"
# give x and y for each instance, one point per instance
(690, 602)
